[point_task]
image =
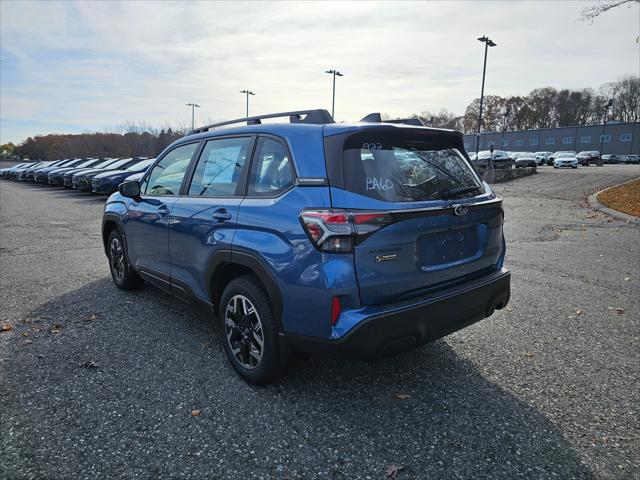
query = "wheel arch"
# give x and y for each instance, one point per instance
(111, 222)
(226, 266)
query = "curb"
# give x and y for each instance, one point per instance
(595, 204)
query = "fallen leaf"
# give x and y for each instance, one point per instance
(195, 413)
(564, 275)
(90, 364)
(28, 341)
(579, 312)
(626, 279)
(528, 354)
(402, 396)
(6, 327)
(620, 310)
(392, 471)
(92, 317)
(508, 309)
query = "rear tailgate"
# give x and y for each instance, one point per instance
(431, 236)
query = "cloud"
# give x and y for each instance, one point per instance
(87, 65)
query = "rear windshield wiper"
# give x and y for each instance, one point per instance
(454, 192)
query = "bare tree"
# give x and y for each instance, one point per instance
(589, 13)
(626, 95)
(443, 119)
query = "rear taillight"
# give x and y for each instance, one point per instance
(338, 231)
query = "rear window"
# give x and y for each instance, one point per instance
(405, 170)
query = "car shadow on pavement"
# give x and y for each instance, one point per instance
(79, 196)
(429, 410)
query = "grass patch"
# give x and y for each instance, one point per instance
(623, 198)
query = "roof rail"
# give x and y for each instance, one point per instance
(377, 118)
(317, 116)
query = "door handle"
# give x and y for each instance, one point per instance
(221, 215)
(163, 210)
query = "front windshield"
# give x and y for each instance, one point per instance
(140, 165)
(89, 163)
(117, 164)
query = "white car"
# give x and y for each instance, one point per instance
(542, 158)
(565, 160)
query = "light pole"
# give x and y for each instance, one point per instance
(335, 74)
(504, 127)
(604, 126)
(487, 43)
(193, 115)
(247, 92)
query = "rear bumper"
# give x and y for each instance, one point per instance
(404, 326)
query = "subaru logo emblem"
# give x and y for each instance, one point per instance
(460, 210)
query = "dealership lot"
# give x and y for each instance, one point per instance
(95, 381)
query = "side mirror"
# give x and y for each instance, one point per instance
(130, 189)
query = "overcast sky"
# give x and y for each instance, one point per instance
(70, 67)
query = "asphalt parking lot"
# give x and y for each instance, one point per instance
(100, 383)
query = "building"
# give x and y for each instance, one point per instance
(618, 138)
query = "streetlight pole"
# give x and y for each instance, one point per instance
(604, 126)
(504, 127)
(247, 92)
(487, 43)
(193, 114)
(335, 73)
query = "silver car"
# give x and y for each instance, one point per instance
(565, 160)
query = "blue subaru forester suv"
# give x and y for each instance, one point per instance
(364, 239)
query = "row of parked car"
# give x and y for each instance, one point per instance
(97, 175)
(564, 158)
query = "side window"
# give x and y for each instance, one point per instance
(219, 167)
(166, 177)
(271, 170)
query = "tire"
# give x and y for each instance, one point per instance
(555, 166)
(247, 318)
(122, 274)
(574, 167)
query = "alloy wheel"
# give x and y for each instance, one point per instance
(116, 255)
(244, 332)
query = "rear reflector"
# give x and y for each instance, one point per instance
(336, 308)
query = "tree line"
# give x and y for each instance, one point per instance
(546, 108)
(133, 141)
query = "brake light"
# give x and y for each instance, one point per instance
(338, 230)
